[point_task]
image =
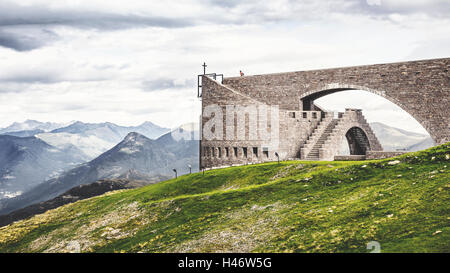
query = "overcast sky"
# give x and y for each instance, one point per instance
(131, 61)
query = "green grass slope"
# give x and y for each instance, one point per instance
(402, 203)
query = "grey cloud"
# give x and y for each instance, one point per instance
(21, 39)
(300, 10)
(36, 19)
(164, 83)
(27, 76)
(15, 15)
(383, 8)
(32, 79)
(16, 82)
(234, 12)
(8, 87)
(95, 20)
(19, 43)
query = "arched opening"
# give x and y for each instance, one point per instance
(391, 122)
(357, 140)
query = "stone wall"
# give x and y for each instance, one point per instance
(349, 157)
(381, 154)
(421, 88)
(369, 155)
(293, 127)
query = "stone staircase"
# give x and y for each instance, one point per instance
(325, 140)
(314, 153)
(316, 134)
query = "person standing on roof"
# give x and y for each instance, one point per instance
(242, 73)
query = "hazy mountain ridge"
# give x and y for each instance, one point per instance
(24, 133)
(424, 144)
(27, 161)
(392, 138)
(96, 138)
(30, 125)
(73, 144)
(89, 140)
(154, 158)
(112, 132)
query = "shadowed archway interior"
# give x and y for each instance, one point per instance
(358, 142)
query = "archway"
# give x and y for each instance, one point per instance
(307, 100)
(396, 128)
(358, 141)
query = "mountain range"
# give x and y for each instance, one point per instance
(133, 155)
(393, 139)
(88, 140)
(32, 151)
(30, 125)
(92, 139)
(27, 161)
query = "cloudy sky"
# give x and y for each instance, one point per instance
(131, 61)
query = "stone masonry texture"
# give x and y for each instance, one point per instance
(421, 88)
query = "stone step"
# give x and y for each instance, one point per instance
(326, 133)
(316, 140)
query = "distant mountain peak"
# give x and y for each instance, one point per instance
(31, 121)
(148, 123)
(29, 125)
(134, 139)
(392, 138)
(132, 136)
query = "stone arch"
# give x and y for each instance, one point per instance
(307, 99)
(357, 140)
(352, 118)
(420, 88)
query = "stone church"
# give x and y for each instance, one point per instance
(260, 118)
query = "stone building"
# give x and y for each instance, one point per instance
(265, 117)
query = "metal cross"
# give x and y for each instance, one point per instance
(204, 68)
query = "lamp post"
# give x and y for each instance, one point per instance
(190, 169)
(278, 157)
(176, 175)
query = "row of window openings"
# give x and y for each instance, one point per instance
(211, 151)
(305, 114)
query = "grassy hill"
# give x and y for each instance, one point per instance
(403, 203)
